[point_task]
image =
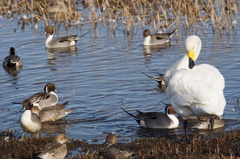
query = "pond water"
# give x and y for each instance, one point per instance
(104, 73)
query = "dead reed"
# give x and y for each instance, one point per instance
(219, 14)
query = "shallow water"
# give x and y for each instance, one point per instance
(104, 73)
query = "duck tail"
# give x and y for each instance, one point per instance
(135, 117)
(158, 79)
(83, 34)
(173, 32)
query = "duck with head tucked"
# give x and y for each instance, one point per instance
(12, 60)
(52, 113)
(60, 42)
(118, 150)
(56, 149)
(46, 98)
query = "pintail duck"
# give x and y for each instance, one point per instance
(204, 125)
(117, 150)
(56, 149)
(198, 89)
(52, 113)
(156, 120)
(60, 42)
(12, 60)
(156, 39)
(46, 98)
(30, 121)
(158, 79)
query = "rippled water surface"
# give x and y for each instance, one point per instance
(104, 73)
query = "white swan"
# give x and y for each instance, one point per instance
(196, 90)
(163, 79)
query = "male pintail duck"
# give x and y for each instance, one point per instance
(158, 79)
(56, 149)
(157, 120)
(156, 39)
(52, 113)
(117, 150)
(198, 89)
(30, 121)
(46, 98)
(60, 42)
(12, 60)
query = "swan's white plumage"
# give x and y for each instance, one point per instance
(181, 63)
(197, 91)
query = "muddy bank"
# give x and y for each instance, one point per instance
(223, 145)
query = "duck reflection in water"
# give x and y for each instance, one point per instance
(54, 53)
(148, 49)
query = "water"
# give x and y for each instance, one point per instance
(104, 73)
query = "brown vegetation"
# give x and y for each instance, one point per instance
(224, 145)
(221, 14)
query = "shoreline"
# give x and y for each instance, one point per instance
(220, 145)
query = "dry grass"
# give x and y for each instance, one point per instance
(224, 145)
(220, 14)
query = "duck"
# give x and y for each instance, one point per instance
(198, 89)
(29, 120)
(156, 39)
(158, 79)
(12, 60)
(156, 120)
(56, 149)
(52, 113)
(117, 150)
(60, 42)
(46, 98)
(206, 125)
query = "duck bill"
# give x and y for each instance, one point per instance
(22, 109)
(57, 91)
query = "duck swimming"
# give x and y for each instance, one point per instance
(12, 60)
(60, 42)
(156, 120)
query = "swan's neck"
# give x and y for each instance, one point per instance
(197, 51)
